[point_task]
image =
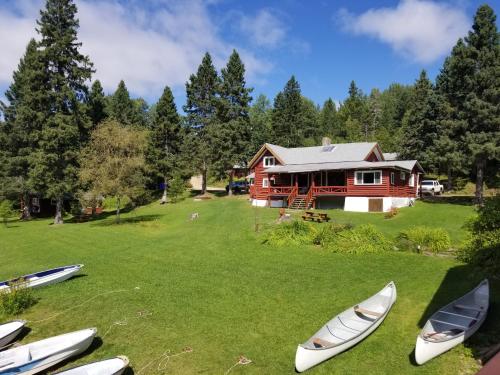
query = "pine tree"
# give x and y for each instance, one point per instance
(328, 122)
(354, 115)
(54, 166)
(24, 116)
(122, 108)
(422, 124)
(310, 133)
(260, 123)
(287, 117)
(165, 140)
(201, 109)
(96, 103)
(482, 103)
(232, 136)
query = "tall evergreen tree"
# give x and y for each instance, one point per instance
(260, 123)
(201, 110)
(121, 107)
(310, 132)
(96, 103)
(165, 140)
(54, 166)
(328, 122)
(354, 115)
(232, 137)
(422, 124)
(482, 104)
(287, 117)
(24, 116)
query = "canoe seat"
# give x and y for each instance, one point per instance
(367, 312)
(466, 307)
(320, 343)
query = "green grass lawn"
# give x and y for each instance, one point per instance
(212, 285)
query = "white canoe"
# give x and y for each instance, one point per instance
(453, 323)
(40, 355)
(9, 331)
(43, 278)
(113, 366)
(346, 329)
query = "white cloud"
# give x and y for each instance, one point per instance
(264, 29)
(422, 31)
(148, 48)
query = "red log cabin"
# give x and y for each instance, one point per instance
(352, 176)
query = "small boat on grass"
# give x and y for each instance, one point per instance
(453, 323)
(346, 329)
(113, 366)
(40, 355)
(9, 331)
(43, 278)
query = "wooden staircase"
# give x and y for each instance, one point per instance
(300, 203)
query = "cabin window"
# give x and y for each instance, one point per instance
(269, 161)
(403, 176)
(265, 182)
(368, 178)
(411, 182)
(392, 178)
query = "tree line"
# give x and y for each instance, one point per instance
(61, 138)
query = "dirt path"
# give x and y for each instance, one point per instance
(195, 182)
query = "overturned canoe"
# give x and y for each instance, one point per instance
(113, 366)
(43, 278)
(40, 355)
(346, 329)
(9, 331)
(453, 323)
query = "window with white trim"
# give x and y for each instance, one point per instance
(411, 182)
(368, 178)
(269, 161)
(392, 178)
(403, 176)
(265, 182)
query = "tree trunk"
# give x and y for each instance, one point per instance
(204, 179)
(59, 210)
(449, 183)
(479, 181)
(231, 177)
(164, 197)
(117, 209)
(26, 214)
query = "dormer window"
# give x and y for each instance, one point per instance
(269, 161)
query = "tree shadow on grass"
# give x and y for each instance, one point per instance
(465, 200)
(458, 281)
(96, 344)
(126, 220)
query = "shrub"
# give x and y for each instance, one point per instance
(482, 248)
(17, 300)
(423, 238)
(359, 240)
(291, 233)
(6, 211)
(327, 233)
(176, 189)
(391, 213)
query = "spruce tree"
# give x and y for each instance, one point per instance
(232, 136)
(482, 103)
(54, 165)
(122, 108)
(96, 103)
(421, 128)
(328, 122)
(287, 117)
(201, 110)
(260, 123)
(165, 140)
(354, 115)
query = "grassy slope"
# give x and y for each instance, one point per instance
(211, 285)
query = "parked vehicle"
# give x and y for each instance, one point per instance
(238, 187)
(431, 187)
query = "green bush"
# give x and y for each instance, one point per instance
(482, 247)
(326, 233)
(359, 240)
(6, 211)
(291, 233)
(421, 238)
(17, 300)
(177, 188)
(109, 203)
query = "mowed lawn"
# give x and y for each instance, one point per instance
(212, 285)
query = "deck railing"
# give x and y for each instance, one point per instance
(319, 190)
(284, 190)
(309, 196)
(293, 195)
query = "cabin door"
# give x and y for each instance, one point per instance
(303, 182)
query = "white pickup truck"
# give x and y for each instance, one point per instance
(431, 187)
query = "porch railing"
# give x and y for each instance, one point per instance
(329, 190)
(309, 196)
(293, 195)
(281, 189)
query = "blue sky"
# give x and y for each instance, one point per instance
(325, 44)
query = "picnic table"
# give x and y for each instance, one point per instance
(315, 216)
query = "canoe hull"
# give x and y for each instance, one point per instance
(44, 278)
(9, 331)
(35, 365)
(305, 358)
(113, 366)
